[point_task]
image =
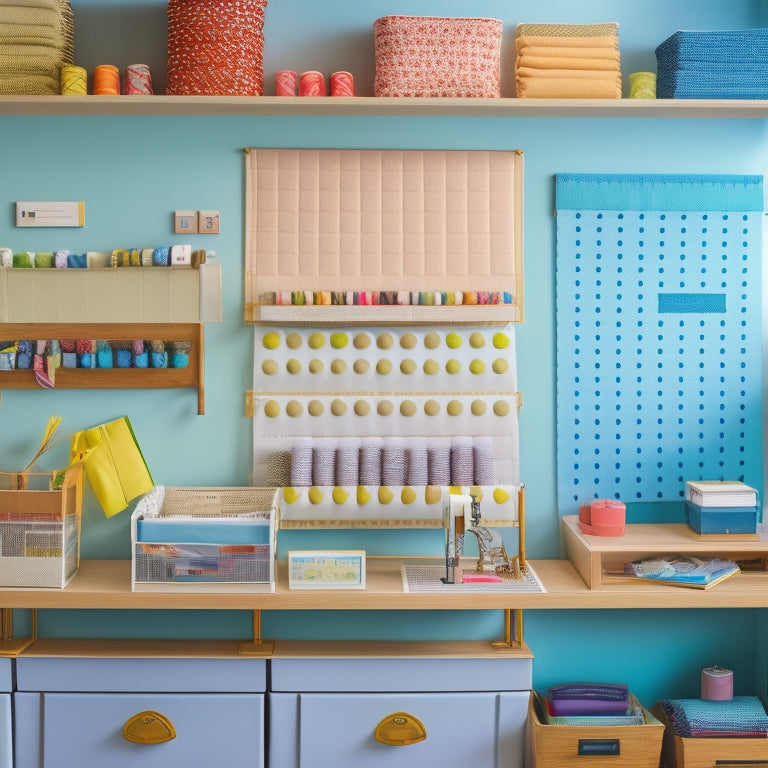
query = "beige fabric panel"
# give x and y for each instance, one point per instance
(382, 220)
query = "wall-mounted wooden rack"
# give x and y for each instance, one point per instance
(113, 378)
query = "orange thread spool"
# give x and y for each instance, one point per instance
(106, 80)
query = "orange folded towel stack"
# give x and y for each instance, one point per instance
(567, 61)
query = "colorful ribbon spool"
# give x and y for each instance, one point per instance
(138, 80)
(73, 80)
(286, 82)
(342, 84)
(106, 80)
(312, 84)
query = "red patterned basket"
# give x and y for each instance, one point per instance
(215, 47)
(425, 56)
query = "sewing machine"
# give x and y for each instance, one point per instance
(462, 515)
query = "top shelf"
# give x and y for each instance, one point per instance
(368, 106)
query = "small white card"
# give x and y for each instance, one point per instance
(323, 569)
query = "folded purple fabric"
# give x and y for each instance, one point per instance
(589, 706)
(589, 690)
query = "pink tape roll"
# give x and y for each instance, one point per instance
(716, 684)
(286, 81)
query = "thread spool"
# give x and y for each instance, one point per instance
(73, 80)
(342, 84)
(642, 85)
(716, 684)
(312, 84)
(286, 82)
(138, 80)
(106, 80)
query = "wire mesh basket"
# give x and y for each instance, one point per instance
(40, 520)
(205, 539)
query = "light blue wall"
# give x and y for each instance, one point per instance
(133, 172)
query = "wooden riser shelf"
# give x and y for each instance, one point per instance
(592, 556)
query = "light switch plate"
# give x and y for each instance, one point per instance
(185, 222)
(208, 222)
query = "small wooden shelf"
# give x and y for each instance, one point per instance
(113, 378)
(369, 106)
(591, 555)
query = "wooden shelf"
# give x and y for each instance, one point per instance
(106, 585)
(369, 106)
(591, 554)
(467, 314)
(113, 378)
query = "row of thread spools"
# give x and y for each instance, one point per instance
(290, 83)
(137, 80)
(376, 461)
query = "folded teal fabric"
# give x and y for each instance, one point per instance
(739, 716)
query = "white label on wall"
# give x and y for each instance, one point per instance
(61, 214)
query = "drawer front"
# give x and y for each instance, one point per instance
(6, 675)
(6, 732)
(182, 675)
(61, 730)
(397, 675)
(482, 730)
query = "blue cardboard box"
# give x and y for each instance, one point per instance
(722, 519)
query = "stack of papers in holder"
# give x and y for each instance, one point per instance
(720, 493)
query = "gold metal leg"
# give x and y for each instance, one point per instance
(10, 646)
(258, 647)
(511, 639)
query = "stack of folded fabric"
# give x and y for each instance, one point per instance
(740, 716)
(36, 40)
(728, 64)
(567, 61)
(588, 699)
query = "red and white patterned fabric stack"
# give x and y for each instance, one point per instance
(431, 56)
(216, 47)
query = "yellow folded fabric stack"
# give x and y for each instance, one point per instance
(567, 61)
(36, 40)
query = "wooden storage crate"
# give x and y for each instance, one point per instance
(219, 539)
(40, 528)
(592, 746)
(684, 752)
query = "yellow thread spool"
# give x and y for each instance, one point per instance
(73, 80)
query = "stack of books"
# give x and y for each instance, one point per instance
(717, 506)
(589, 704)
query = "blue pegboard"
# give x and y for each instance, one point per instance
(658, 335)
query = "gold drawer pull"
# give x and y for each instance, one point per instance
(400, 729)
(149, 728)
